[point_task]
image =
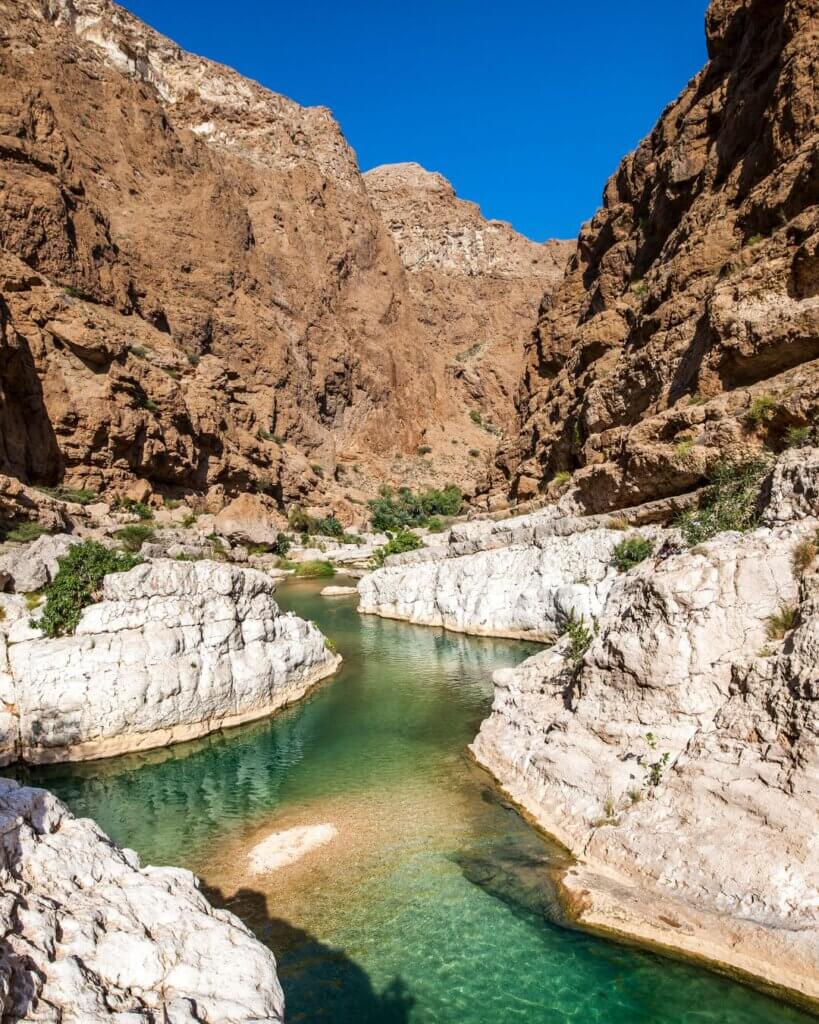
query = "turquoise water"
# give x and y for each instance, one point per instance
(433, 904)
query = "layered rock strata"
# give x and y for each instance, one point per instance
(91, 936)
(173, 650)
(687, 326)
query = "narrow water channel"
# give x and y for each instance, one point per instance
(432, 903)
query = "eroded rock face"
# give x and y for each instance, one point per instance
(174, 650)
(476, 284)
(694, 290)
(91, 936)
(522, 578)
(197, 290)
(28, 567)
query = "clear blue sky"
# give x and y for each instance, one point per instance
(525, 106)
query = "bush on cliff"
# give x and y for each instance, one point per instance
(77, 583)
(730, 502)
(397, 545)
(403, 509)
(133, 536)
(631, 552)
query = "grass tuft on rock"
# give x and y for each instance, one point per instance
(631, 552)
(782, 622)
(77, 584)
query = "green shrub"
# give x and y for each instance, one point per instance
(76, 584)
(318, 470)
(476, 417)
(189, 520)
(580, 637)
(329, 526)
(315, 568)
(137, 508)
(729, 503)
(804, 555)
(397, 545)
(561, 478)
(630, 552)
(798, 437)
(132, 537)
(138, 350)
(22, 533)
(398, 511)
(761, 410)
(423, 449)
(282, 545)
(755, 239)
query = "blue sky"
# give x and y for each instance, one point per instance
(526, 107)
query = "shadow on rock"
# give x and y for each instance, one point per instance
(320, 983)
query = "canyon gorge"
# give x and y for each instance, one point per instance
(581, 478)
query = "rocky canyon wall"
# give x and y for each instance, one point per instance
(687, 326)
(195, 287)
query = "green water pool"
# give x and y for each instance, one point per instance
(433, 904)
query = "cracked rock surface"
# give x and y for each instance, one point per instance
(173, 650)
(90, 936)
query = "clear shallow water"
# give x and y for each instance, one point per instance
(432, 904)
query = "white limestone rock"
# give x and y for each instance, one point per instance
(522, 578)
(28, 567)
(174, 650)
(683, 755)
(90, 936)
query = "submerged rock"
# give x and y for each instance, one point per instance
(91, 936)
(174, 650)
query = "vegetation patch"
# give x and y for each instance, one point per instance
(798, 437)
(476, 417)
(21, 533)
(782, 622)
(397, 545)
(631, 552)
(76, 495)
(132, 537)
(730, 502)
(315, 568)
(403, 509)
(77, 584)
(423, 449)
(761, 410)
(136, 508)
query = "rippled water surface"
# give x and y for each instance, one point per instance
(432, 904)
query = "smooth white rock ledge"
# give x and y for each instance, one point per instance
(173, 651)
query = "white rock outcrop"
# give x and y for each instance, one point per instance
(522, 578)
(91, 937)
(172, 651)
(679, 759)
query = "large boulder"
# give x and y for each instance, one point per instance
(28, 567)
(173, 650)
(252, 518)
(91, 936)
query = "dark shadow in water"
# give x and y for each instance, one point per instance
(320, 983)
